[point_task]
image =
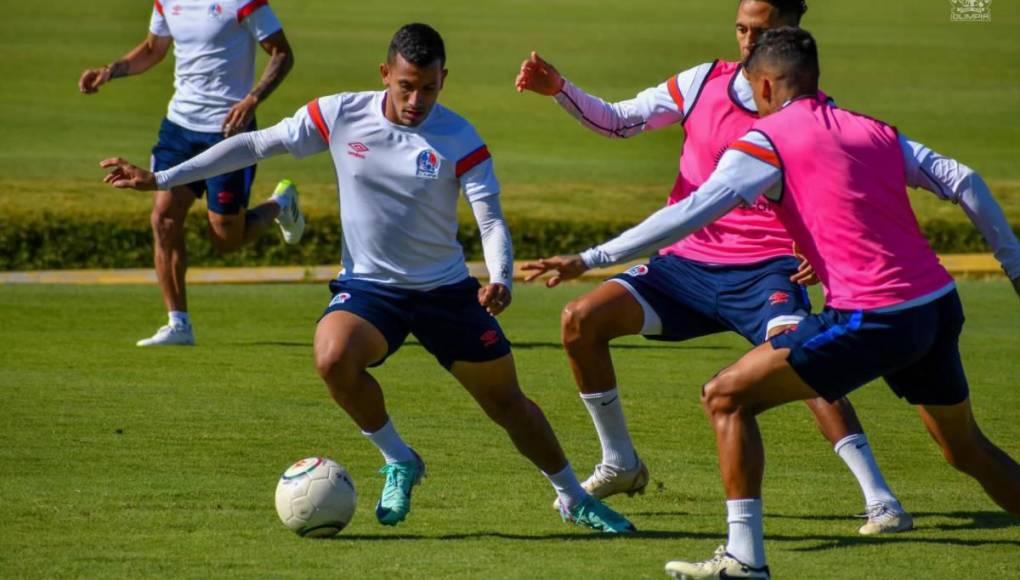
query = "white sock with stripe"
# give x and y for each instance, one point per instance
(607, 413)
(856, 453)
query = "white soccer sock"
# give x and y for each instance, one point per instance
(568, 489)
(389, 443)
(178, 318)
(747, 536)
(281, 200)
(607, 413)
(856, 453)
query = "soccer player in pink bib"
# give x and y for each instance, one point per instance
(401, 162)
(838, 181)
(214, 97)
(738, 274)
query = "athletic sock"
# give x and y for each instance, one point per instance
(747, 536)
(568, 489)
(178, 318)
(389, 443)
(856, 453)
(607, 413)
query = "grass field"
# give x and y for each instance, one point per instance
(953, 86)
(128, 463)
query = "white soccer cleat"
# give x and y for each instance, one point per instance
(722, 565)
(607, 480)
(170, 336)
(886, 519)
(291, 220)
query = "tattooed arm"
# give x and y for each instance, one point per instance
(141, 58)
(281, 60)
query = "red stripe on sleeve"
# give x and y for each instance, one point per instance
(674, 91)
(250, 7)
(471, 160)
(159, 7)
(320, 124)
(759, 153)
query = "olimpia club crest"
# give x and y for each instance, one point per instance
(971, 10)
(428, 164)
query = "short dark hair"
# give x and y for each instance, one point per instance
(792, 52)
(789, 10)
(419, 44)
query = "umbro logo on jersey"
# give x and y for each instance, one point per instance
(357, 149)
(428, 164)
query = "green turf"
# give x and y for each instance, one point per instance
(129, 463)
(954, 86)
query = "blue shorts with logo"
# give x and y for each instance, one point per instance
(448, 321)
(693, 299)
(228, 193)
(916, 351)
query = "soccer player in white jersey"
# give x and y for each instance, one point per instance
(891, 310)
(401, 159)
(738, 275)
(214, 97)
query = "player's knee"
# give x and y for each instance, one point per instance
(718, 396)
(506, 410)
(226, 233)
(334, 366)
(165, 225)
(577, 324)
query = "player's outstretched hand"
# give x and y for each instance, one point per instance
(239, 117)
(124, 175)
(92, 79)
(805, 271)
(539, 76)
(495, 298)
(564, 268)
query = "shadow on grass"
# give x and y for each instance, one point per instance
(516, 345)
(971, 521)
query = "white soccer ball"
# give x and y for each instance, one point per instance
(315, 497)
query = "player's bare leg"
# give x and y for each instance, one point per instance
(588, 324)
(494, 386)
(760, 380)
(838, 423)
(967, 449)
(170, 258)
(169, 211)
(345, 345)
(232, 231)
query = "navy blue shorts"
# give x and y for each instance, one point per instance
(693, 299)
(228, 193)
(915, 350)
(448, 321)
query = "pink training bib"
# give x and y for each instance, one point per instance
(844, 201)
(747, 234)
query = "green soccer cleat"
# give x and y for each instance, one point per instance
(395, 502)
(592, 513)
(290, 220)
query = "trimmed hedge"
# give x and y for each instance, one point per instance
(48, 241)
